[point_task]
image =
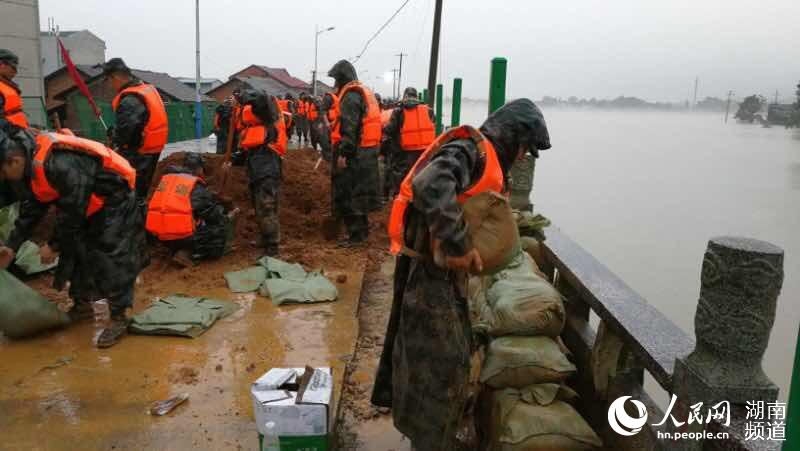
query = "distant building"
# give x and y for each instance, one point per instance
(780, 114)
(268, 85)
(19, 32)
(274, 81)
(84, 48)
(280, 75)
(206, 84)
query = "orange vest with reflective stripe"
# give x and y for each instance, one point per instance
(371, 128)
(156, 131)
(111, 161)
(254, 133)
(300, 107)
(169, 212)
(418, 131)
(12, 109)
(490, 180)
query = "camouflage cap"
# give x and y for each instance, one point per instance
(115, 65)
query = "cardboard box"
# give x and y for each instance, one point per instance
(302, 419)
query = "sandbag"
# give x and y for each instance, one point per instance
(522, 424)
(25, 312)
(533, 247)
(492, 230)
(8, 215)
(517, 362)
(517, 301)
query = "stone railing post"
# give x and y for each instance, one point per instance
(740, 282)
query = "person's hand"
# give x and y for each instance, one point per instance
(47, 254)
(341, 162)
(469, 262)
(6, 257)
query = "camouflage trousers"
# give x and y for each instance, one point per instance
(355, 191)
(264, 171)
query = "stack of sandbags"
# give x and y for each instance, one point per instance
(526, 365)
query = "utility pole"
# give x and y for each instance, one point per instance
(400, 73)
(728, 106)
(317, 32)
(776, 97)
(696, 81)
(198, 111)
(437, 27)
(394, 81)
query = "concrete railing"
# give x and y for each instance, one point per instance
(741, 280)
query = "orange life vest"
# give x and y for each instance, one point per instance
(312, 111)
(333, 111)
(112, 162)
(254, 133)
(283, 104)
(300, 107)
(418, 130)
(490, 180)
(371, 128)
(169, 212)
(12, 109)
(156, 131)
(237, 118)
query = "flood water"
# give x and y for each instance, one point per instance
(644, 191)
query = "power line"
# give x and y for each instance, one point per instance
(381, 29)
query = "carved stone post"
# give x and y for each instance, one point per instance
(740, 282)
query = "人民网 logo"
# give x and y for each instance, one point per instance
(621, 422)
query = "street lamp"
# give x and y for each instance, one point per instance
(317, 32)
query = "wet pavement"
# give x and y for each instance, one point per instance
(58, 392)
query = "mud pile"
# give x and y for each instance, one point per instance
(305, 202)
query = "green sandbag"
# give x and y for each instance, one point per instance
(181, 315)
(517, 362)
(25, 312)
(283, 270)
(315, 288)
(29, 260)
(8, 215)
(522, 425)
(517, 301)
(246, 280)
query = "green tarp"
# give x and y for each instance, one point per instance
(181, 315)
(282, 282)
(25, 312)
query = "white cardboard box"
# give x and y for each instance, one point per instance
(277, 404)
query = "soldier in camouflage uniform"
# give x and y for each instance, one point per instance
(264, 169)
(424, 371)
(355, 174)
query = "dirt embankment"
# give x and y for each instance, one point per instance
(305, 202)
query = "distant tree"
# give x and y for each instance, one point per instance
(749, 107)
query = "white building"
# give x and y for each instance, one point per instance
(83, 45)
(19, 32)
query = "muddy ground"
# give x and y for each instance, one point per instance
(80, 396)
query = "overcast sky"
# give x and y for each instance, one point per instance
(651, 49)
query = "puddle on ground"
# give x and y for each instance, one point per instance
(57, 390)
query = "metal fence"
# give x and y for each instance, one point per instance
(179, 115)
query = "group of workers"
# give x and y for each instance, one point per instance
(101, 195)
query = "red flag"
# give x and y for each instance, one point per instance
(76, 77)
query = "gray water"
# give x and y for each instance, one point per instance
(644, 191)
